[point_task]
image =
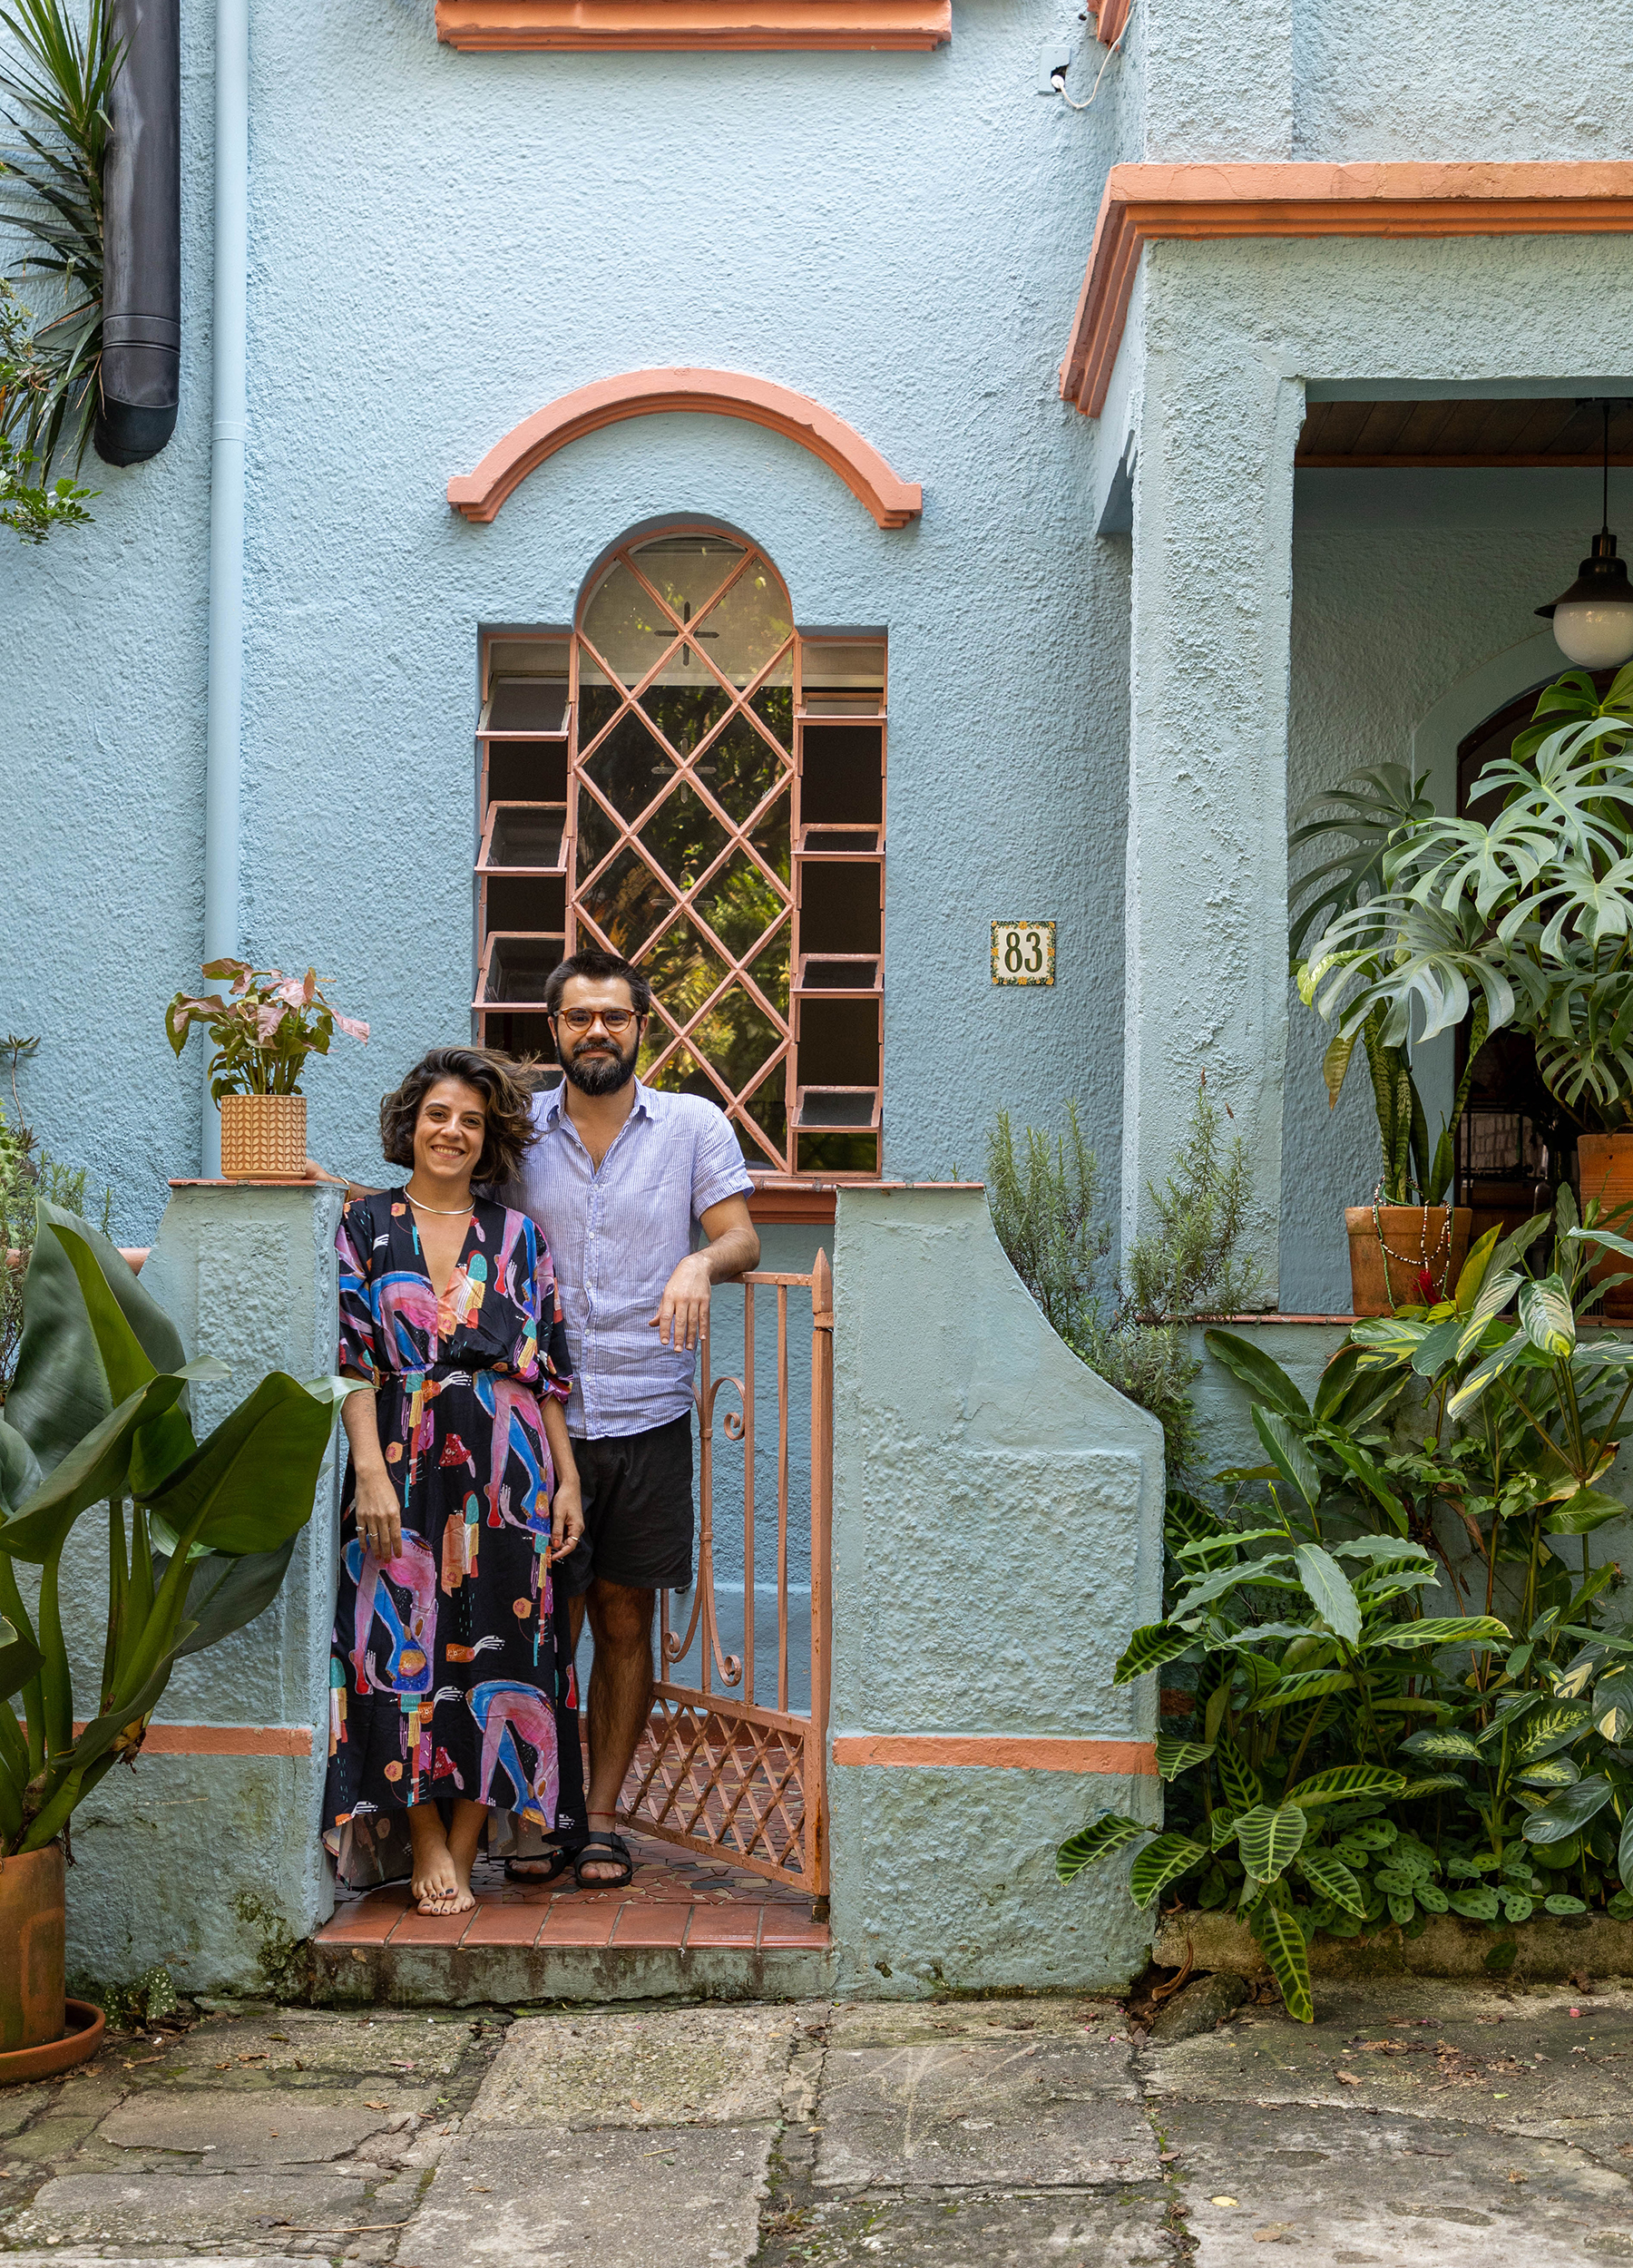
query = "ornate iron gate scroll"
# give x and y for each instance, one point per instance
(720, 1771)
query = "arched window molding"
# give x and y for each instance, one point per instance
(892, 501)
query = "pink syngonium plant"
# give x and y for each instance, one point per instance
(263, 1031)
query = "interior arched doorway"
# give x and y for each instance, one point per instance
(1515, 1144)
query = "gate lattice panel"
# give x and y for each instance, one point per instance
(718, 1771)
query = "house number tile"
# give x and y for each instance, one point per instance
(1024, 952)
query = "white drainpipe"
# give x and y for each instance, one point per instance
(229, 411)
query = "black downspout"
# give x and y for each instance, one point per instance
(141, 218)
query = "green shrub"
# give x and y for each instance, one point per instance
(1045, 1201)
(1355, 1756)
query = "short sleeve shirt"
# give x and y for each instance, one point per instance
(617, 1234)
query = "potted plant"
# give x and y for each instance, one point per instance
(1408, 1244)
(200, 1534)
(263, 1033)
(1524, 921)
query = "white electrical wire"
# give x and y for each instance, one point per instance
(1111, 50)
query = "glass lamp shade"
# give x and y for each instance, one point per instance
(1593, 620)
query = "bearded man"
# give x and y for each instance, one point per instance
(624, 1175)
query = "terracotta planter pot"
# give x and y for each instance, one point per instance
(263, 1138)
(1605, 1171)
(1385, 1276)
(32, 1942)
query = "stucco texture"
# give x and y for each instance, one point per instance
(1474, 82)
(1386, 616)
(997, 1528)
(441, 243)
(211, 1864)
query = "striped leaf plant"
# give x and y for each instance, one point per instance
(1405, 1698)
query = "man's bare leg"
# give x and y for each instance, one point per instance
(621, 1699)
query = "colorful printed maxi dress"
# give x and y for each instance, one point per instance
(450, 1672)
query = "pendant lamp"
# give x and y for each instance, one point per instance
(1593, 620)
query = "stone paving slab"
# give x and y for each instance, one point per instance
(520, 2197)
(138, 2209)
(1032, 2094)
(1055, 2229)
(680, 2066)
(267, 2127)
(73, 2256)
(1346, 2189)
(896, 2023)
(312, 2046)
(1520, 2061)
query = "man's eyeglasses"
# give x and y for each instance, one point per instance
(614, 1020)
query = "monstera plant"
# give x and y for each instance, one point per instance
(199, 1534)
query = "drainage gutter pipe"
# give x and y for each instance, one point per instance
(228, 432)
(142, 236)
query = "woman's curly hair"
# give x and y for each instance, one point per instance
(510, 1128)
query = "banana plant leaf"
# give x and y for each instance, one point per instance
(224, 1594)
(60, 1391)
(98, 1466)
(249, 1487)
(165, 1441)
(19, 1659)
(20, 1473)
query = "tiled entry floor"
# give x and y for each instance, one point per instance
(677, 1901)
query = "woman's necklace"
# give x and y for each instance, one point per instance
(450, 1210)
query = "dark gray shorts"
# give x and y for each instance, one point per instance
(638, 1510)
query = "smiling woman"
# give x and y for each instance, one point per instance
(451, 1681)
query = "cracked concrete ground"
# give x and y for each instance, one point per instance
(1415, 2122)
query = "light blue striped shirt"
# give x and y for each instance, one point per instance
(616, 1236)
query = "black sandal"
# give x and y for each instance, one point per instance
(591, 1847)
(555, 1858)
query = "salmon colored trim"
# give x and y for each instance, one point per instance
(999, 1752)
(225, 1740)
(711, 393)
(679, 25)
(1143, 204)
(1113, 22)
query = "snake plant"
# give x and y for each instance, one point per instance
(199, 1534)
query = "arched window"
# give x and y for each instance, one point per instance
(715, 815)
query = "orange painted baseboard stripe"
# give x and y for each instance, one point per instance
(225, 1740)
(998, 1751)
(1144, 204)
(679, 26)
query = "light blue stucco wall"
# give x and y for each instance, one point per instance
(1394, 611)
(211, 1863)
(997, 1530)
(441, 243)
(1412, 620)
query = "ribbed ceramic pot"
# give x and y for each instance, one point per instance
(1605, 1171)
(33, 1949)
(263, 1138)
(1404, 1255)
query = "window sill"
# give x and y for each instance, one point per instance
(679, 25)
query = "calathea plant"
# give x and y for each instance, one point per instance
(199, 1534)
(1357, 1757)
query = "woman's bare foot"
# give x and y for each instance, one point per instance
(441, 1881)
